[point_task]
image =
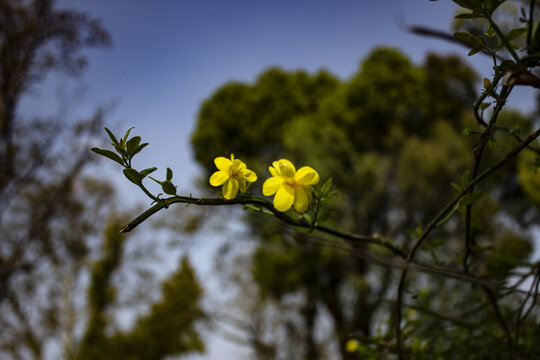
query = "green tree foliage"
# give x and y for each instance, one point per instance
(277, 97)
(391, 137)
(170, 327)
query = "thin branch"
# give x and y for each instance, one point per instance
(533, 292)
(478, 152)
(518, 138)
(415, 266)
(434, 223)
(494, 303)
(262, 204)
(428, 32)
(504, 40)
(531, 22)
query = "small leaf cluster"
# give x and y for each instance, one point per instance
(126, 148)
(465, 200)
(488, 41)
(322, 194)
(168, 187)
(480, 9)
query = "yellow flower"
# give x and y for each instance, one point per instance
(292, 188)
(352, 346)
(233, 175)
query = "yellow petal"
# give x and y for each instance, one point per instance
(249, 175)
(230, 188)
(283, 163)
(222, 163)
(287, 162)
(218, 178)
(272, 185)
(309, 194)
(275, 166)
(301, 199)
(306, 176)
(273, 171)
(284, 198)
(286, 171)
(242, 185)
(237, 166)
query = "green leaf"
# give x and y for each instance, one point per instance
(308, 218)
(468, 39)
(325, 216)
(474, 51)
(113, 138)
(469, 199)
(492, 142)
(147, 172)
(456, 186)
(169, 174)
(132, 145)
(334, 194)
(467, 4)
(326, 187)
(133, 176)
(109, 154)
(121, 151)
(484, 105)
(464, 180)
(159, 182)
(127, 134)
(468, 16)
(168, 188)
(417, 232)
(515, 33)
(470, 131)
(491, 5)
(139, 148)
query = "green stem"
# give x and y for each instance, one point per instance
(504, 40)
(262, 203)
(531, 23)
(148, 193)
(486, 135)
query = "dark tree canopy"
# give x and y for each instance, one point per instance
(391, 138)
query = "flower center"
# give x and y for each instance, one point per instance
(235, 169)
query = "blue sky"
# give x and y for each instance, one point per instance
(170, 55)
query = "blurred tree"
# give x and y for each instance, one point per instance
(51, 211)
(170, 327)
(47, 209)
(391, 139)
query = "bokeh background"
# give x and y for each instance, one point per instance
(167, 57)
